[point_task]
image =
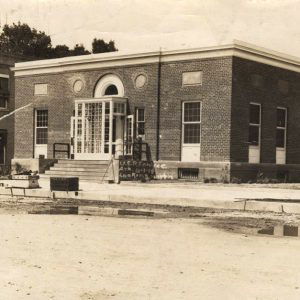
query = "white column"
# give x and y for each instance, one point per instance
(119, 137)
(110, 126)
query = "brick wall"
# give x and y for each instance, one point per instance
(215, 95)
(60, 103)
(7, 124)
(270, 97)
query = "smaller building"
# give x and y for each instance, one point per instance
(7, 105)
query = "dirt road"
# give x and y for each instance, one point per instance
(78, 257)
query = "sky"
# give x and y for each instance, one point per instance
(168, 24)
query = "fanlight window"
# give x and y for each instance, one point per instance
(111, 90)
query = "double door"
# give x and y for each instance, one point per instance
(97, 132)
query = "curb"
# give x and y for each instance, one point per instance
(164, 203)
(94, 211)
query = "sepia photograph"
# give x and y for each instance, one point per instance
(149, 149)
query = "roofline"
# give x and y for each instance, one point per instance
(112, 59)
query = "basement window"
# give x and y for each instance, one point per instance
(188, 173)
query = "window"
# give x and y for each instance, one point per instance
(3, 101)
(192, 78)
(41, 127)
(111, 90)
(40, 89)
(140, 122)
(191, 122)
(119, 108)
(254, 124)
(281, 127)
(4, 87)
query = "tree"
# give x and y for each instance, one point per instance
(100, 46)
(20, 39)
(79, 50)
(60, 51)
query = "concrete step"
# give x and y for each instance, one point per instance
(74, 169)
(70, 172)
(81, 166)
(87, 170)
(81, 177)
(83, 162)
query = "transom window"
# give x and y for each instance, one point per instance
(191, 122)
(42, 127)
(254, 124)
(111, 90)
(119, 108)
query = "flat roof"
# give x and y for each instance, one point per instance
(122, 58)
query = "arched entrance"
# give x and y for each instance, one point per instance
(99, 125)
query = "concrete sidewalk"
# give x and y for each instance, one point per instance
(240, 197)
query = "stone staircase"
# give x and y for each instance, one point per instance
(88, 170)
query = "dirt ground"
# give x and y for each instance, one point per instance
(78, 257)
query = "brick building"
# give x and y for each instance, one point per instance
(6, 106)
(225, 111)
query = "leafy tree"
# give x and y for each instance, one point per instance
(60, 51)
(20, 39)
(100, 46)
(79, 50)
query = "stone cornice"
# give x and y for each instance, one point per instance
(114, 59)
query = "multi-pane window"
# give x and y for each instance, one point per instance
(119, 108)
(41, 127)
(191, 122)
(3, 83)
(3, 101)
(140, 122)
(4, 89)
(254, 124)
(281, 127)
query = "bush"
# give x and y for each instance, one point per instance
(210, 180)
(213, 180)
(267, 180)
(236, 180)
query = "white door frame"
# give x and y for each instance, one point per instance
(100, 154)
(128, 136)
(39, 149)
(190, 152)
(281, 151)
(254, 151)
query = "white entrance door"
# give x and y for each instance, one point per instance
(92, 130)
(191, 131)
(128, 134)
(41, 133)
